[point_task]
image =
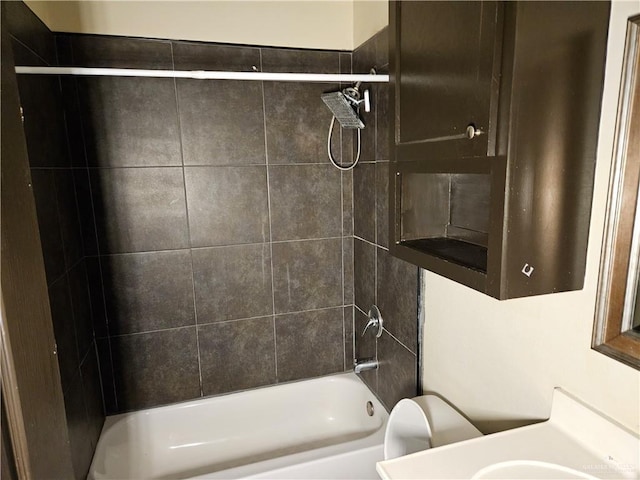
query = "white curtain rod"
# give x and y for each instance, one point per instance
(207, 75)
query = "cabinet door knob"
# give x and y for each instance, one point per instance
(473, 132)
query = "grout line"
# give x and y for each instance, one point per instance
(396, 339)
(200, 165)
(371, 243)
(273, 286)
(130, 334)
(186, 207)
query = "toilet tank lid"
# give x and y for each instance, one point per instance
(447, 425)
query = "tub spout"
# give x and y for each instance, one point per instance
(365, 364)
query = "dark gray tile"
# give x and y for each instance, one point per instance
(140, 209)
(130, 121)
(73, 120)
(24, 56)
(222, 122)
(227, 205)
(207, 56)
(297, 122)
(80, 433)
(23, 24)
(348, 338)
(85, 211)
(92, 391)
(64, 331)
(382, 204)
(68, 214)
(382, 47)
(397, 291)
(98, 311)
(306, 201)
(148, 291)
(307, 274)
(309, 344)
(364, 57)
(365, 348)
(368, 133)
(300, 61)
(345, 62)
(364, 201)
(79, 289)
(383, 133)
(347, 203)
(237, 355)
(397, 375)
(120, 52)
(347, 266)
(232, 282)
(106, 376)
(44, 122)
(155, 368)
(44, 191)
(364, 277)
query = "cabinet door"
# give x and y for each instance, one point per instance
(446, 62)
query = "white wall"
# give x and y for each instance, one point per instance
(288, 23)
(499, 361)
(369, 17)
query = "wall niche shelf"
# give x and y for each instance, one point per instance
(495, 112)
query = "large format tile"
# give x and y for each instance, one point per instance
(44, 122)
(383, 133)
(297, 122)
(208, 56)
(156, 368)
(237, 355)
(98, 310)
(347, 203)
(80, 432)
(382, 204)
(397, 291)
(90, 372)
(364, 201)
(348, 338)
(139, 209)
(227, 205)
(364, 278)
(80, 298)
(85, 211)
(68, 215)
(222, 122)
(64, 331)
(130, 121)
(397, 375)
(103, 346)
(347, 266)
(148, 291)
(307, 274)
(23, 24)
(309, 344)
(232, 282)
(305, 201)
(118, 52)
(300, 61)
(44, 192)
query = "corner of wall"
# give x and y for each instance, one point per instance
(369, 17)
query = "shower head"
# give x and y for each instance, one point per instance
(341, 105)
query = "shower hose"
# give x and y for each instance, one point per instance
(333, 161)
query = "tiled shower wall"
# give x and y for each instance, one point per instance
(379, 278)
(218, 234)
(52, 177)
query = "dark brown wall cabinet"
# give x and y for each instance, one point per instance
(495, 119)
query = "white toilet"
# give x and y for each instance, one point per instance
(423, 422)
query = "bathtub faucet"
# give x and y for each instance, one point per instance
(364, 364)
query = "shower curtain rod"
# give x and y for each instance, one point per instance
(207, 75)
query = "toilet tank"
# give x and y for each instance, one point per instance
(424, 422)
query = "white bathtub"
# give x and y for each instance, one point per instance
(305, 430)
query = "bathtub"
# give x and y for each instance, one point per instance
(310, 429)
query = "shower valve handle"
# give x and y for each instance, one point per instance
(375, 320)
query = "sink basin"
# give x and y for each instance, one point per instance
(529, 469)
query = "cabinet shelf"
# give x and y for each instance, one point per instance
(505, 211)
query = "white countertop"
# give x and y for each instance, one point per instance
(575, 437)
